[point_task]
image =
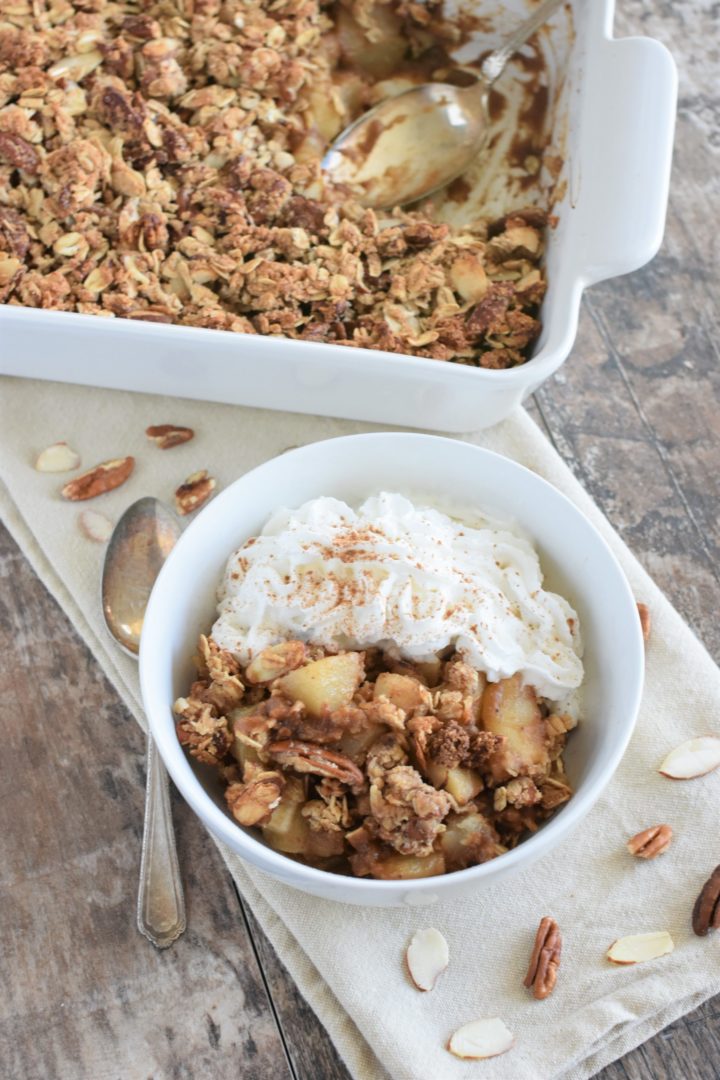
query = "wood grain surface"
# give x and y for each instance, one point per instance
(635, 413)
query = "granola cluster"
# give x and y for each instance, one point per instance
(358, 763)
(161, 161)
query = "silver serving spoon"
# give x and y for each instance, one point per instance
(415, 143)
(139, 545)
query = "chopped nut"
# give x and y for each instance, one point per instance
(651, 842)
(706, 913)
(104, 477)
(645, 622)
(693, 758)
(70, 245)
(96, 526)
(252, 803)
(481, 1039)
(166, 436)
(468, 278)
(637, 948)
(194, 491)
(545, 960)
(57, 458)
(554, 792)
(427, 957)
(309, 758)
(18, 152)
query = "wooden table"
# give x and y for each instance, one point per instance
(636, 415)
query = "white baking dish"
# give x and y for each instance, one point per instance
(615, 104)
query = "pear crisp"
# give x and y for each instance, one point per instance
(161, 162)
(354, 762)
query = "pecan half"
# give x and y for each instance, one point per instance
(167, 435)
(706, 913)
(104, 477)
(194, 491)
(14, 232)
(645, 622)
(651, 842)
(306, 757)
(18, 152)
(545, 959)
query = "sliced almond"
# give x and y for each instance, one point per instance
(57, 458)
(696, 757)
(468, 278)
(96, 526)
(76, 67)
(481, 1039)
(636, 948)
(427, 957)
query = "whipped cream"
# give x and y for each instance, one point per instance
(407, 578)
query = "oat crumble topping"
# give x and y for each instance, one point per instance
(160, 161)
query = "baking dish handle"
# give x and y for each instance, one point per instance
(626, 144)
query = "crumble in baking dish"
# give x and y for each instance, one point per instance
(161, 162)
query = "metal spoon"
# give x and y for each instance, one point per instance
(139, 545)
(415, 143)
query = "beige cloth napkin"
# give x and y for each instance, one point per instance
(348, 961)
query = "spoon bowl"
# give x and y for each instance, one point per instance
(411, 145)
(141, 542)
(415, 143)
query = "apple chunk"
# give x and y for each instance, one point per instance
(287, 830)
(355, 744)
(407, 867)
(463, 784)
(468, 839)
(324, 684)
(401, 690)
(511, 709)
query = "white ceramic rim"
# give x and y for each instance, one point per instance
(275, 863)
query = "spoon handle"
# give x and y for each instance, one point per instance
(494, 64)
(161, 904)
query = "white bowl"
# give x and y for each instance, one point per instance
(449, 473)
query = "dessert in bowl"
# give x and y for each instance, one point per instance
(387, 687)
